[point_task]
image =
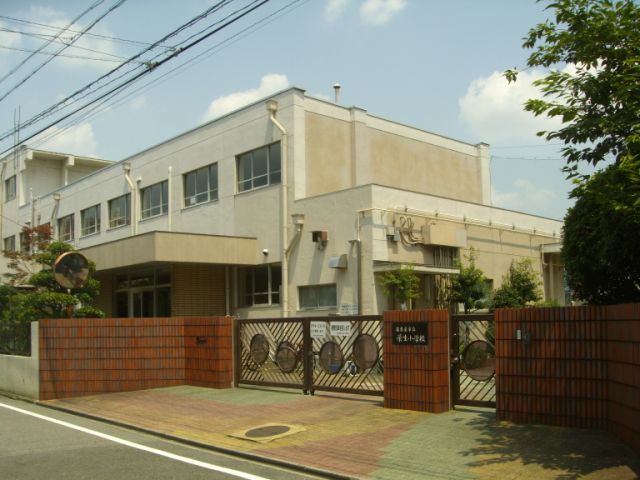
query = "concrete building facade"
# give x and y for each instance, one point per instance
(289, 206)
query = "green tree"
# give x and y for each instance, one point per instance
(520, 286)
(469, 287)
(402, 285)
(592, 51)
(600, 251)
(40, 296)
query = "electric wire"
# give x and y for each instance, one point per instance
(98, 109)
(61, 49)
(255, 5)
(71, 99)
(62, 55)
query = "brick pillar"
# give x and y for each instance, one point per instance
(416, 377)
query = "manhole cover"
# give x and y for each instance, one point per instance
(268, 431)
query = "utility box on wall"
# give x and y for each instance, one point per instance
(444, 235)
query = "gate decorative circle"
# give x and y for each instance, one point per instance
(286, 357)
(259, 349)
(331, 358)
(365, 351)
(478, 360)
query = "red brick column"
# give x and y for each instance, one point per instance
(417, 377)
(208, 351)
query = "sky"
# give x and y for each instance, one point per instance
(432, 64)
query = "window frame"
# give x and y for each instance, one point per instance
(10, 188)
(90, 228)
(127, 214)
(272, 175)
(71, 233)
(210, 194)
(11, 239)
(318, 305)
(164, 200)
(248, 287)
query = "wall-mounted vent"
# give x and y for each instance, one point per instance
(320, 236)
(338, 261)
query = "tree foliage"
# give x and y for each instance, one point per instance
(39, 295)
(600, 251)
(520, 286)
(401, 284)
(469, 287)
(592, 48)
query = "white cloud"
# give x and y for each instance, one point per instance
(8, 39)
(493, 109)
(78, 140)
(525, 196)
(333, 9)
(227, 103)
(138, 103)
(380, 12)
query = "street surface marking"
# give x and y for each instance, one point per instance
(127, 443)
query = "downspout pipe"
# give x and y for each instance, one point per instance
(2, 198)
(54, 213)
(126, 167)
(272, 108)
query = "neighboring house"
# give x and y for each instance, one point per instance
(287, 207)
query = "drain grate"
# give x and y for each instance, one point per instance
(268, 432)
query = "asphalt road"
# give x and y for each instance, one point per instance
(39, 443)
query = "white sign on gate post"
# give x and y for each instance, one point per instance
(318, 329)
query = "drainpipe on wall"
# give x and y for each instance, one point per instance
(170, 170)
(54, 212)
(4, 166)
(126, 167)
(272, 107)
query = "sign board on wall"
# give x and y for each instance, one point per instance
(409, 333)
(318, 329)
(340, 329)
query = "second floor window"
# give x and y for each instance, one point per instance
(90, 218)
(120, 211)
(10, 188)
(65, 228)
(201, 185)
(154, 200)
(259, 168)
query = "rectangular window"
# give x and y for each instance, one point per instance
(155, 200)
(318, 297)
(90, 218)
(10, 244)
(259, 168)
(260, 285)
(201, 185)
(120, 211)
(10, 188)
(65, 228)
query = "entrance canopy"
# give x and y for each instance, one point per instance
(173, 248)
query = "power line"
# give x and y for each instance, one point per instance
(534, 159)
(43, 64)
(46, 44)
(255, 5)
(81, 57)
(71, 99)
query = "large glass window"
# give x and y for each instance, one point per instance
(120, 211)
(10, 188)
(143, 294)
(259, 168)
(65, 228)
(318, 297)
(10, 244)
(260, 285)
(155, 200)
(90, 218)
(201, 185)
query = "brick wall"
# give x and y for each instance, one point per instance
(623, 355)
(88, 356)
(417, 377)
(580, 369)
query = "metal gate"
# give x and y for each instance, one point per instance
(473, 360)
(338, 354)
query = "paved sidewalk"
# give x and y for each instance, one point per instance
(357, 437)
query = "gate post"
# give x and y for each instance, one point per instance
(417, 375)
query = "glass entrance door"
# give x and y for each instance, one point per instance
(142, 303)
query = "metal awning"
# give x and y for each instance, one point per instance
(172, 247)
